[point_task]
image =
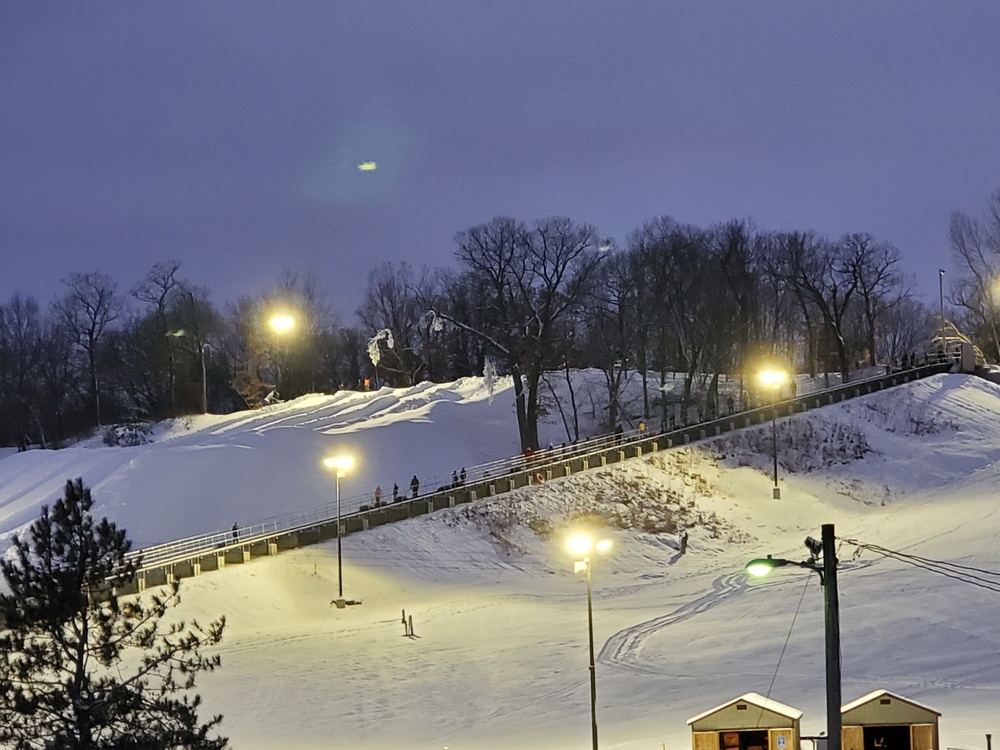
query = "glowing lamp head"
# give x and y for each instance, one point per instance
(582, 545)
(760, 567)
(281, 322)
(773, 378)
(340, 464)
(367, 166)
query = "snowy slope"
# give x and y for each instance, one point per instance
(201, 473)
(500, 657)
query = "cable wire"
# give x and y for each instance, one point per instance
(984, 579)
(784, 646)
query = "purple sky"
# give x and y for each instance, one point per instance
(226, 135)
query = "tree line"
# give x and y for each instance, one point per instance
(523, 299)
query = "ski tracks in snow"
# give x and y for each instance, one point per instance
(624, 648)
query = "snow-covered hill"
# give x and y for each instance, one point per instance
(500, 657)
(201, 473)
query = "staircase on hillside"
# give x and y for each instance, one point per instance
(192, 556)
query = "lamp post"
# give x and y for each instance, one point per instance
(181, 333)
(944, 349)
(173, 376)
(281, 323)
(827, 570)
(204, 380)
(774, 379)
(340, 464)
(582, 545)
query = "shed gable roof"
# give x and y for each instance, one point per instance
(755, 699)
(883, 693)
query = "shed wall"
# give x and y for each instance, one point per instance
(777, 739)
(923, 737)
(782, 739)
(705, 741)
(852, 738)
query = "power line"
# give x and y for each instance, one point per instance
(784, 646)
(984, 579)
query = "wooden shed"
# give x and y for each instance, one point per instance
(883, 721)
(750, 722)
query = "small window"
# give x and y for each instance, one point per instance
(741, 706)
(885, 702)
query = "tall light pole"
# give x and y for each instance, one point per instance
(281, 323)
(774, 379)
(173, 376)
(827, 570)
(340, 464)
(944, 349)
(204, 381)
(181, 333)
(583, 545)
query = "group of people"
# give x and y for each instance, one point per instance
(457, 480)
(396, 497)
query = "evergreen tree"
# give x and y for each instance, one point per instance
(81, 667)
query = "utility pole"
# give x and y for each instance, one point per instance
(827, 570)
(831, 600)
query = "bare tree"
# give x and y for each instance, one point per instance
(245, 347)
(611, 330)
(697, 316)
(649, 247)
(297, 352)
(87, 311)
(530, 277)
(905, 328)
(391, 303)
(822, 276)
(196, 320)
(880, 284)
(452, 351)
(975, 246)
(645, 310)
(156, 291)
(21, 331)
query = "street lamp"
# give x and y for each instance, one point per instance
(173, 373)
(181, 333)
(340, 464)
(774, 379)
(204, 379)
(827, 570)
(944, 349)
(581, 545)
(281, 323)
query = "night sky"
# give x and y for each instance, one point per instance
(227, 135)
